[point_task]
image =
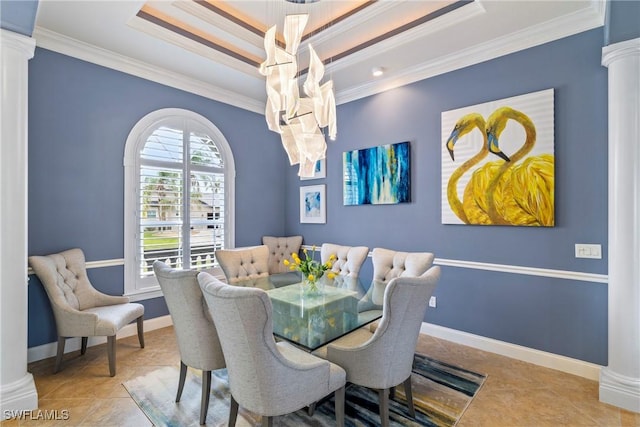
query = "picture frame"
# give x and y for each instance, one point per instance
(313, 204)
(378, 175)
(320, 171)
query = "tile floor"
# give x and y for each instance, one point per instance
(516, 394)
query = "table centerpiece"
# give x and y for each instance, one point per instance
(311, 269)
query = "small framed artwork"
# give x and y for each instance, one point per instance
(313, 204)
(320, 170)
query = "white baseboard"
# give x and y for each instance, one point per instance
(620, 390)
(537, 357)
(45, 351)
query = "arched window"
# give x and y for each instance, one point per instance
(179, 196)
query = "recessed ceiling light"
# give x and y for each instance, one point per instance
(377, 71)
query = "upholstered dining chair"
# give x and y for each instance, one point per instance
(195, 332)
(387, 265)
(280, 248)
(349, 259)
(383, 359)
(249, 262)
(79, 309)
(265, 377)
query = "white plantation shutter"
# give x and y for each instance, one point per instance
(182, 212)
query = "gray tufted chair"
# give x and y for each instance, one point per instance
(387, 265)
(196, 334)
(280, 248)
(244, 263)
(79, 309)
(265, 377)
(349, 259)
(383, 359)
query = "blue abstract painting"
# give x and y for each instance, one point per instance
(377, 175)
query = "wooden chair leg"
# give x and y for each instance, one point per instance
(204, 401)
(183, 376)
(409, 394)
(83, 346)
(140, 321)
(267, 421)
(338, 396)
(111, 354)
(383, 396)
(233, 412)
(60, 353)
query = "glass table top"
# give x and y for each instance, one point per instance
(313, 320)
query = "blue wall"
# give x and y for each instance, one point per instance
(80, 115)
(622, 21)
(555, 315)
(18, 16)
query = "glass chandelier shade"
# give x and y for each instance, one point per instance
(298, 120)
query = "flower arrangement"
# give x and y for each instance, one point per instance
(311, 269)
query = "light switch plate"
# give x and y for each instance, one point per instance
(588, 251)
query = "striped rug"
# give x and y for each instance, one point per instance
(441, 393)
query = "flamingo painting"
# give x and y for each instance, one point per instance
(507, 175)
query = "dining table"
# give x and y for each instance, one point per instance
(311, 320)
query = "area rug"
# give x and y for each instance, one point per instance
(441, 393)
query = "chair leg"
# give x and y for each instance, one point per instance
(267, 421)
(311, 409)
(140, 322)
(183, 376)
(409, 395)
(83, 346)
(338, 396)
(383, 396)
(111, 354)
(233, 412)
(61, 342)
(204, 403)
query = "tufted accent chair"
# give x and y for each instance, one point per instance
(265, 377)
(244, 263)
(280, 248)
(195, 332)
(349, 259)
(383, 359)
(387, 265)
(79, 309)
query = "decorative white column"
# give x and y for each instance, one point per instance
(620, 381)
(17, 389)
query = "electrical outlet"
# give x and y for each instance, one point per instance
(432, 302)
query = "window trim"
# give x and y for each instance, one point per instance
(135, 141)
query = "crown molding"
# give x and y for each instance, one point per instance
(455, 17)
(68, 46)
(577, 22)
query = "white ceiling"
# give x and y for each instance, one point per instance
(111, 34)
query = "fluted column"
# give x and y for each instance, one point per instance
(620, 380)
(17, 389)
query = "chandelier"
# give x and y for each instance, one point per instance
(298, 120)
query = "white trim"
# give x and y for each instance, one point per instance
(135, 287)
(514, 269)
(45, 351)
(619, 390)
(529, 271)
(582, 20)
(20, 395)
(51, 40)
(537, 357)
